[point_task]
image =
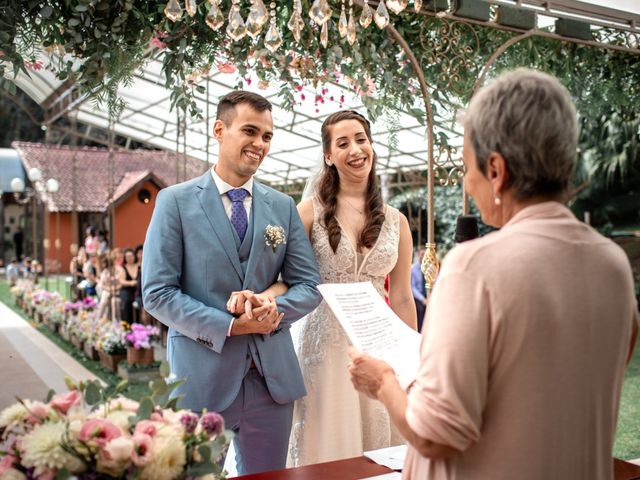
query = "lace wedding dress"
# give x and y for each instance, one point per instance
(333, 421)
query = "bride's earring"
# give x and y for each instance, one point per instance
(497, 200)
(328, 162)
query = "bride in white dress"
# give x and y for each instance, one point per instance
(355, 238)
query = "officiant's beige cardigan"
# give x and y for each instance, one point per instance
(523, 353)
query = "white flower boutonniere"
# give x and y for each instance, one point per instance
(274, 236)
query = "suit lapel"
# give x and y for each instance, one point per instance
(261, 212)
(211, 203)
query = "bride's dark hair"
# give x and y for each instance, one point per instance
(329, 186)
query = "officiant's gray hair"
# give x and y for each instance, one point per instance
(529, 118)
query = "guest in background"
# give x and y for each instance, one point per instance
(109, 290)
(528, 328)
(13, 272)
(77, 276)
(418, 287)
(18, 241)
(128, 285)
(92, 241)
(90, 272)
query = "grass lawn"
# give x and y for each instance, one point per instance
(134, 391)
(628, 436)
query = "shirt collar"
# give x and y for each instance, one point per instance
(224, 187)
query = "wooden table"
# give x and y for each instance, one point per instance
(361, 467)
(349, 469)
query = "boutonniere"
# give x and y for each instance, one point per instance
(274, 236)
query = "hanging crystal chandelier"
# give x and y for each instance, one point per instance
(320, 13)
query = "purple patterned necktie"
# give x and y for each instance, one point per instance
(238, 212)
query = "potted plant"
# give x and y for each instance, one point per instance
(139, 349)
(111, 346)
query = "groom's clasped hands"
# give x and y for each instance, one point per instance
(254, 312)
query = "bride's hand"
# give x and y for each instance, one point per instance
(237, 302)
(246, 301)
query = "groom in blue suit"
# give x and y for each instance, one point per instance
(208, 237)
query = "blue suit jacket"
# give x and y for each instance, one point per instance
(190, 268)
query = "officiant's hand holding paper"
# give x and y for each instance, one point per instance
(368, 373)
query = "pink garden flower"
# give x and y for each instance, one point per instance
(99, 432)
(6, 463)
(141, 449)
(38, 412)
(64, 401)
(146, 427)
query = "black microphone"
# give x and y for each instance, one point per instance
(466, 228)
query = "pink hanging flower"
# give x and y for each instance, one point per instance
(157, 43)
(35, 65)
(226, 67)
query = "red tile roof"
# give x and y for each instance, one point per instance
(94, 179)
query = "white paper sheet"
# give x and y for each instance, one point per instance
(373, 327)
(385, 476)
(391, 457)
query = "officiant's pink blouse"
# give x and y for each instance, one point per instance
(523, 354)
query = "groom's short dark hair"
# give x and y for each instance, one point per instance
(227, 106)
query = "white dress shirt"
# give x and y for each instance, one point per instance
(223, 188)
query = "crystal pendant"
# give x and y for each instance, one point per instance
(351, 30)
(396, 6)
(173, 10)
(191, 7)
(254, 26)
(214, 18)
(381, 16)
(272, 39)
(257, 17)
(236, 28)
(324, 34)
(342, 23)
(296, 24)
(417, 5)
(320, 12)
(366, 17)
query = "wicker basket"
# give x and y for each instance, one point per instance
(140, 356)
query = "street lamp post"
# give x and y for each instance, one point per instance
(23, 195)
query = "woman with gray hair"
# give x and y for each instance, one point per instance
(528, 329)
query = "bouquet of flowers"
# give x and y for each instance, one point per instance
(93, 432)
(140, 336)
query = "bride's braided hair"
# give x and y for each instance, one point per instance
(329, 186)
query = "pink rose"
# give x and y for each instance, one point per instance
(6, 463)
(38, 411)
(142, 447)
(146, 427)
(225, 67)
(99, 432)
(63, 402)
